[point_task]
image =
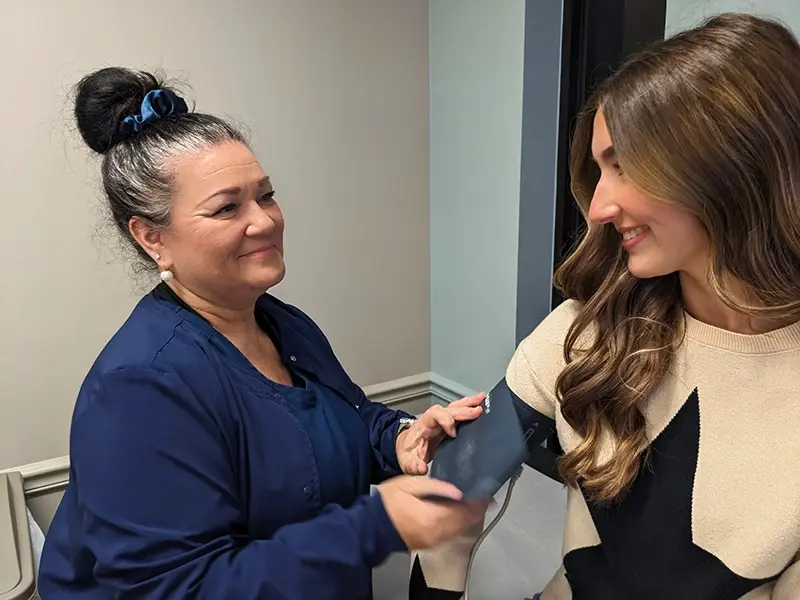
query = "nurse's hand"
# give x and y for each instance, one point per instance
(425, 523)
(417, 444)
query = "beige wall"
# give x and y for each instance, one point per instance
(336, 95)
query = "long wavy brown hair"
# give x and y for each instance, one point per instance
(708, 120)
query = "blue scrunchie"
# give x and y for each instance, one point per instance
(156, 105)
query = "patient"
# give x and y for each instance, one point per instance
(670, 374)
(218, 448)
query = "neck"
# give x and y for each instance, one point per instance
(236, 322)
(702, 303)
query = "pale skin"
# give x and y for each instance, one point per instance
(224, 246)
(667, 239)
(417, 444)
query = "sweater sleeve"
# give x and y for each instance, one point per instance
(162, 514)
(441, 573)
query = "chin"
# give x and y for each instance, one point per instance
(642, 269)
(267, 278)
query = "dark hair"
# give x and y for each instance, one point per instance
(136, 176)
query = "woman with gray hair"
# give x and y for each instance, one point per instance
(218, 448)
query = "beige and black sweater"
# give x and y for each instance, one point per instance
(716, 516)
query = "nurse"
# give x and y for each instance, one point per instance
(218, 448)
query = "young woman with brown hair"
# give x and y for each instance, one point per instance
(671, 373)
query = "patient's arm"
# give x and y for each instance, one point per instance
(442, 573)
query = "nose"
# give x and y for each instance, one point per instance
(260, 222)
(603, 209)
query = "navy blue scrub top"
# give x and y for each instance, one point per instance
(338, 434)
(194, 476)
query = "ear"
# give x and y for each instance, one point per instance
(149, 238)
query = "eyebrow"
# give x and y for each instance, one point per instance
(606, 154)
(235, 190)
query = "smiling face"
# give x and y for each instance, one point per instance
(225, 238)
(659, 238)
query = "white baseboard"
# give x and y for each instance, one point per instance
(446, 390)
(413, 394)
(397, 393)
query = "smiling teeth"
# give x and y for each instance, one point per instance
(629, 235)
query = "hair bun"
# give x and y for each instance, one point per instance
(104, 98)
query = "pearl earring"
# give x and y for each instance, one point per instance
(165, 275)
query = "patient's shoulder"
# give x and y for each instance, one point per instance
(539, 359)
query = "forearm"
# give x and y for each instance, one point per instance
(384, 424)
(324, 558)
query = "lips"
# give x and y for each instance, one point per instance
(632, 233)
(632, 236)
(262, 250)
